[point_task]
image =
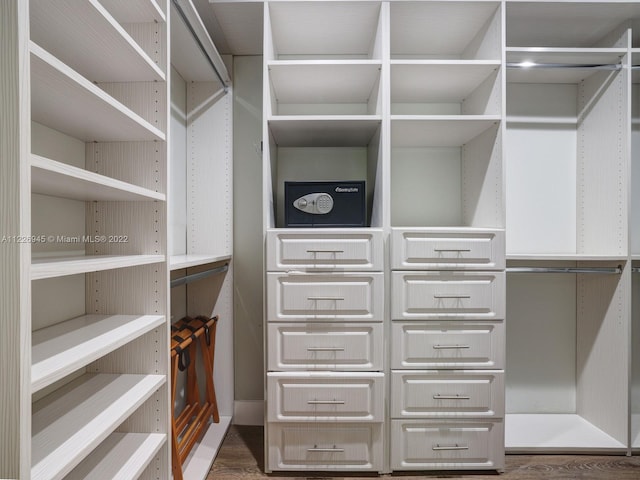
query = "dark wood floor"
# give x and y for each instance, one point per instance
(242, 456)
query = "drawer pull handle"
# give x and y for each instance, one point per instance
(447, 347)
(325, 251)
(325, 402)
(442, 295)
(451, 397)
(325, 298)
(329, 450)
(451, 249)
(450, 447)
(325, 349)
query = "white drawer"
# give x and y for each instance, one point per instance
(447, 295)
(328, 297)
(325, 346)
(421, 345)
(325, 446)
(447, 394)
(329, 396)
(352, 249)
(455, 445)
(437, 249)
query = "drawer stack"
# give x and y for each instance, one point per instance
(325, 379)
(447, 348)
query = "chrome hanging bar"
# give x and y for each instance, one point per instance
(592, 66)
(199, 276)
(610, 270)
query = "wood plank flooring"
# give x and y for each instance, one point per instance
(242, 457)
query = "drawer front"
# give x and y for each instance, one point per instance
(425, 445)
(314, 397)
(327, 249)
(438, 295)
(417, 249)
(420, 345)
(328, 297)
(325, 346)
(442, 394)
(325, 446)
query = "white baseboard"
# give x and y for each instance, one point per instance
(248, 412)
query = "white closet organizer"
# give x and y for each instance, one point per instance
(568, 169)
(635, 242)
(89, 375)
(201, 209)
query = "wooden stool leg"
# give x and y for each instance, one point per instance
(176, 464)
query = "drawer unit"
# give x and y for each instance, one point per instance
(333, 249)
(447, 295)
(437, 249)
(426, 445)
(321, 446)
(447, 394)
(343, 396)
(325, 346)
(421, 345)
(325, 296)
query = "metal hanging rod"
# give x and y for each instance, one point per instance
(592, 66)
(199, 276)
(635, 270)
(613, 270)
(201, 37)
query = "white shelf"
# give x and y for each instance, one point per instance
(324, 81)
(438, 130)
(49, 267)
(321, 131)
(569, 257)
(429, 81)
(50, 177)
(556, 433)
(61, 349)
(68, 424)
(198, 463)
(140, 11)
(571, 58)
(122, 456)
(98, 47)
(532, 120)
(177, 262)
(63, 99)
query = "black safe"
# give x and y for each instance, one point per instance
(325, 204)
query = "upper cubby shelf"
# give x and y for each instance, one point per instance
(98, 48)
(63, 99)
(324, 131)
(330, 87)
(560, 65)
(438, 130)
(138, 11)
(329, 30)
(446, 30)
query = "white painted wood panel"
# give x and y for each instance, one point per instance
(463, 445)
(444, 249)
(68, 424)
(460, 394)
(65, 347)
(144, 11)
(327, 297)
(447, 296)
(312, 446)
(178, 262)
(421, 345)
(325, 397)
(198, 464)
(438, 130)
(323, 130)
(50, 267)
(120, 457)
(334, 249)
(318, 346)
(146, 99)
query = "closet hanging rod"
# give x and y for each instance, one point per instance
(199, 276)
(635, 270)
(199, 33)
(592, 66)
(614, 270)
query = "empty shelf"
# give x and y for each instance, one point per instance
(63, 99)
(122, 456)
(61, 349)
(49, 267)
(141, 11)
(324, 131)
(176, 262)
(570, 257)
(50, 177)
(438, 131)
(68, 424)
